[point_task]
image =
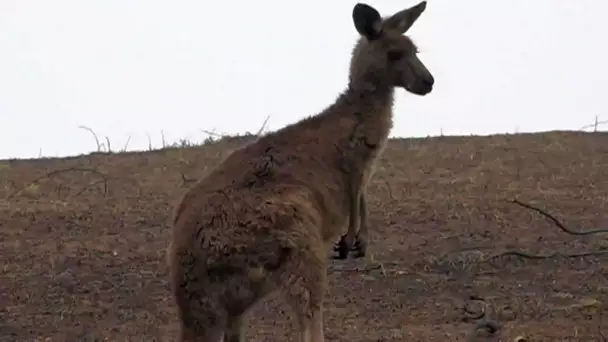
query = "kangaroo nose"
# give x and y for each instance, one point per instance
(429, 81)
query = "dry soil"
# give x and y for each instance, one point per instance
(82, 243)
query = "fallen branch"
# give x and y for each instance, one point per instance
(490, 257)
(92, 184)
(560, 225)
(57, 172)
(553, 255)
(104, 179)
(525, 255)
(219, 136)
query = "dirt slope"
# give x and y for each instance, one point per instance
(82, 249)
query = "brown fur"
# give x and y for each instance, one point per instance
(263, 219)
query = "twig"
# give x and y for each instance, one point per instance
(559, 225)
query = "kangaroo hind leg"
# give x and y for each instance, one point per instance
(304, 283)
(234, 329)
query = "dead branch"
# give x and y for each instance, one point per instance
(594, 125)
(212, 133)
(553, 255)
(94, 136)
(124, 149)
(108, 144)
(263, 126)
(555, 221)
(483, 320)
(57, 172)
(149, 142)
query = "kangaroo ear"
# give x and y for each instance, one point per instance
(403, 20)
(367, 21)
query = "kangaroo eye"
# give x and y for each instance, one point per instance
(394, 55)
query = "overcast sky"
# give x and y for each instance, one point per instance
(129, 68)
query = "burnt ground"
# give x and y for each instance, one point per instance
(82, 244)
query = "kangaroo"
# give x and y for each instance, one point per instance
(262, 220)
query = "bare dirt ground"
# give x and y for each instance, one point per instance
(82, 243)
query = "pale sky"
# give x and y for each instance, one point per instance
(129, 68)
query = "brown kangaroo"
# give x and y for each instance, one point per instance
(262, 220)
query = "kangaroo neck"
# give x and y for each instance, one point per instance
(372, 100)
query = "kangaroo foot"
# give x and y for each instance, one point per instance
(359, 247)
(342, 247)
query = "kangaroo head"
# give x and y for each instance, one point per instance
(384, 56)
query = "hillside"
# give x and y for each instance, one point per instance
(82, 243)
